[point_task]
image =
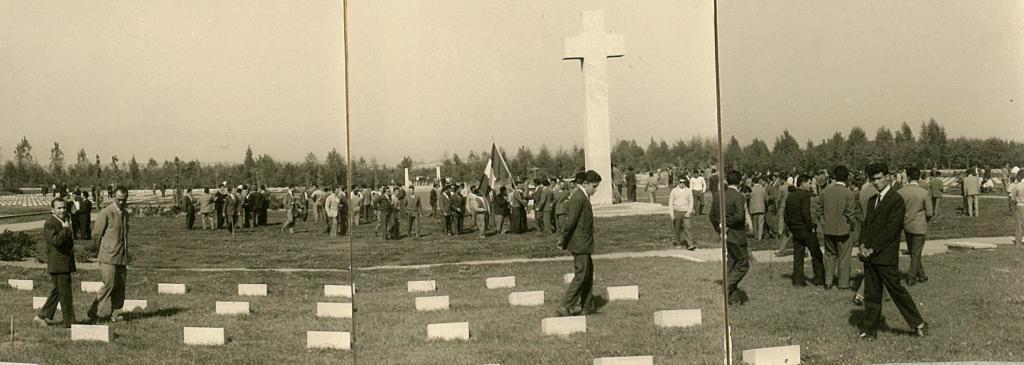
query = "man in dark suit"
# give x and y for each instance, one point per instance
(880, 249)
(458, 208)
(264, 205)
(85, 216)
(248, 197)
(801, 225)
(735, 233)
(578, 237)
(189, 206)
(445, 204)
(631, 183)
(219, 201)
(60, 262)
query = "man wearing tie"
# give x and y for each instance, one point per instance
(880, 249)
(60, 263)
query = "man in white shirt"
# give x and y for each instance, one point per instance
(680, 208)
(331, 211)
(698, 186)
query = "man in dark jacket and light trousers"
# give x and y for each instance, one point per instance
(578, 238)
(879, 250)
(60, 262)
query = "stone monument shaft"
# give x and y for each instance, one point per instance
(592, 47)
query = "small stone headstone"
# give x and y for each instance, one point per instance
(20, 284)
(625, 360)
(91, 286)
(421, 286)
(39, 302)
(132, 305)
(232, 307)
(204, 336)
(501, 282)
(334, 310)
(328, 340)
(344, 291)
(677, 318)
(526, 298)
(82, 332)
(963, 245)
(170, 288)
(784, 355)
(424, 304)
(563, 325)
(631, 292)
(252, 290)
(448, 331)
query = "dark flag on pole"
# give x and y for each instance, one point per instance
(489, 178)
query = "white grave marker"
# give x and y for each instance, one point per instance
(132, 305)
(501, 282)
(563, 325)
(82, 332)
(448, 331)
(334, 310)
(91, 286)
(252, 290)
(232, 307)
(170, 288)
(625, 360)
(631, 292)
(424, 304)
(344, 291)
(328, 340)
(39, 302)
(783, 355)
(204, 336)
(526, 298)
(677, 318)
(421, 286)
(20, 284)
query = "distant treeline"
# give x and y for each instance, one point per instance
(929, 149)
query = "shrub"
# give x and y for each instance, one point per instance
(15, 246)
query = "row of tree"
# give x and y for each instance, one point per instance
(929, 149)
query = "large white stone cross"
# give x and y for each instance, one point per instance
(592, 47)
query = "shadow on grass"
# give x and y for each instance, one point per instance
(857, 319)
(162, 312)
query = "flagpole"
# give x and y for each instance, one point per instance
(502, 157)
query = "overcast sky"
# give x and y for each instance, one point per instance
(203, 79)
(450, 75)
(193, 78)
(819, 66)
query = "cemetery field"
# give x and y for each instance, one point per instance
(390, 330)
(24, 219)
(275, 332)
(973, 303)
(612, 234)
(994, 221)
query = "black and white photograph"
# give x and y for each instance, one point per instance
(873, 150)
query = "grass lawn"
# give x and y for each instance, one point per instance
(274, 334)
(390, 331)
(973, 302)
(994, 221)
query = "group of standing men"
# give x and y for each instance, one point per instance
(873, 217)
(111, 236)
(227, 208)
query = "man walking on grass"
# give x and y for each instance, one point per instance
(915, 223)
(680, 209)
(60, 262)
(879, 250)
(578, 238)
